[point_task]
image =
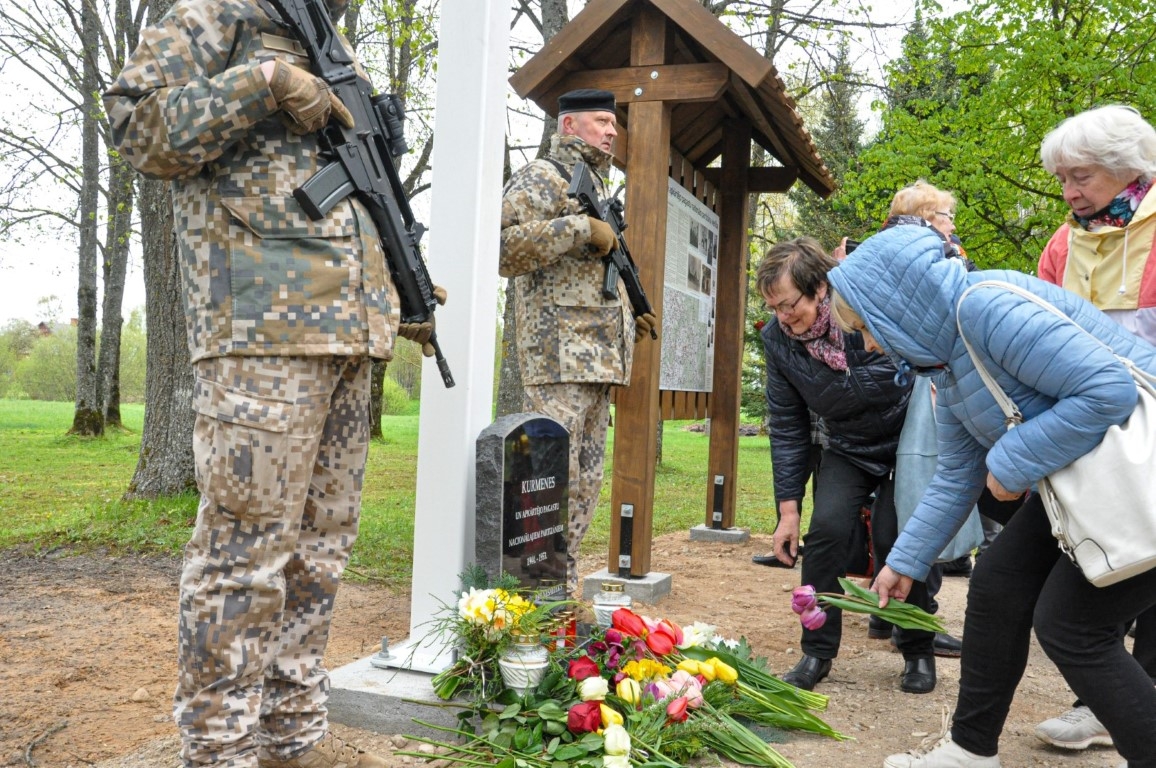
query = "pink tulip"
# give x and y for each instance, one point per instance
(676, 710)
(689, 686)
(803, 598)
(813, 618)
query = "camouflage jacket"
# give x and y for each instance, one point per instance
(567, 331)
(260, 277)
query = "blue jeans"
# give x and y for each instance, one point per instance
(843, 488)
(1023, 582)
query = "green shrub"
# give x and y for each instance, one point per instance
(394, 398)
(49, 370)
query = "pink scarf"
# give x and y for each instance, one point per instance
(823, 340)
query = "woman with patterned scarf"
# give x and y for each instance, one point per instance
(813, 366)
(1105, 159)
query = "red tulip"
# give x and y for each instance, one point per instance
(676, 710)
(628, 622)
(582, 668)
(672, 629)
(660, 643)
(585, 717)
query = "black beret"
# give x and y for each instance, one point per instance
(585, 100)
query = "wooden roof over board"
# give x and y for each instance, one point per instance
(711, 76)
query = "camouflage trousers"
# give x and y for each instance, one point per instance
(280, 445)
(584, 409)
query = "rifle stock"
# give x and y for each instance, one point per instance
(619, 263)
(361, 163)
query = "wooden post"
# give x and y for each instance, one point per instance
(726, 396)
(636, 411)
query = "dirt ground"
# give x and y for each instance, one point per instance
(87, 660)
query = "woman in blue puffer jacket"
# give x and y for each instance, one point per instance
(900, 292)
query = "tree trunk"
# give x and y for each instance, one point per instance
(510, 399)
(120, 206)
(376, 385)
(165, 465)
(88, 418)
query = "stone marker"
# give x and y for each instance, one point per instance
(523, 470)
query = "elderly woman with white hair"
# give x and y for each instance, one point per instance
(1105, 159)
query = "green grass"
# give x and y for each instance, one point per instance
(62, 491)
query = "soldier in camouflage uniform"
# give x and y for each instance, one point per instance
(573, 343)
(283, 314)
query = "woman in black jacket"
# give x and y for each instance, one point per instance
(812, 365)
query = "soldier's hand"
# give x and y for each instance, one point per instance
(602, 239)
(419, 333)
(305, 100)
(440, 295)
(644, 325)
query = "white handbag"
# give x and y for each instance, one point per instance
(1102, 506)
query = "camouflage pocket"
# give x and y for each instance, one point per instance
(240, 447)
(293, 280)
(588, 340)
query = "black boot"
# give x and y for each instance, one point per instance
(918, 675)
(808, 672)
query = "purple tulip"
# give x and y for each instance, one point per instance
(813, 618)
(803, 598)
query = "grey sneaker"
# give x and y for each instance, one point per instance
(1075, 729)
(330, 752)
(943, 753)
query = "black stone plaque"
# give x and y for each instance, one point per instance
(523, 469)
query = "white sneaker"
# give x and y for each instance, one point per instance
(1075, 729)
(944, 753)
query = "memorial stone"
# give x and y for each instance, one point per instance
(523, 471)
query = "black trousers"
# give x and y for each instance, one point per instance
(1022, 582)
(843, 488)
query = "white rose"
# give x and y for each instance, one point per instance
(593, 689)
(616, 741)
(615, 761)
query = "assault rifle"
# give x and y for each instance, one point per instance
(618, 262)
(361, 162)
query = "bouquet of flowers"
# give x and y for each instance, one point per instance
(643, 692)
(482, 626)
(809, 604)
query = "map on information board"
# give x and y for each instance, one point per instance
(688, 312)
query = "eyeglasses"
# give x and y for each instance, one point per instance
(786, 308)
(946, 215)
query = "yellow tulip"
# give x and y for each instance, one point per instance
(629, 690)
(707, 670)
(723, 671)
(690, 665)
(609, 716)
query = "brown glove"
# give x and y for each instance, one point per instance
(420, 333)
(602, 239)
(643, 326)
(305, 100)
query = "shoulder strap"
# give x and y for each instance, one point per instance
(1012, 415)
(562, 170)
